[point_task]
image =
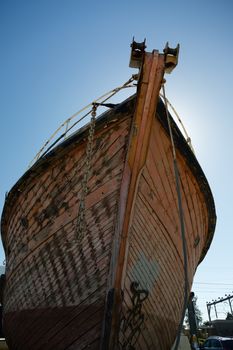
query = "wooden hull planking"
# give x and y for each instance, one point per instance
(155, 256)
(53, 283)
(123, 284)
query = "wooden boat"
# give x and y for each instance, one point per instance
(97, 262)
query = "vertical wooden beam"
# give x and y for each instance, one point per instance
(148, 92)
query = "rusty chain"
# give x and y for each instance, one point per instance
(81, 220)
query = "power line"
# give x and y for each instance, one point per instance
(214, 283)
(209, 291)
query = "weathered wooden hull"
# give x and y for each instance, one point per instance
(155, 254)
(122, 285)
(54, 284)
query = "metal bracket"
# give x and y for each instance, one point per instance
(137, 54)
(171, 57)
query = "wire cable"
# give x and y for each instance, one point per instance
(102, 98)
(182, 226)
(188, 139)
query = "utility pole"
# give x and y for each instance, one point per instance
(215, 302)
(230, 306)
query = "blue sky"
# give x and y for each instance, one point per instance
(57, 56)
